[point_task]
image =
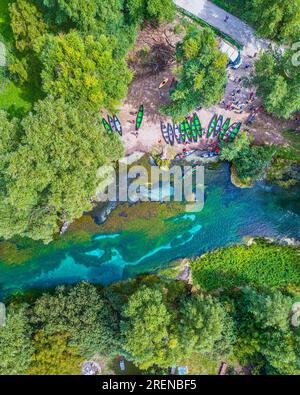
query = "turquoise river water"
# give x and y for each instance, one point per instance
(151, 235)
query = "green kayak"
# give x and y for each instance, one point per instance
(233, 131)
(139, 117)
(106, 125)
(183, 131)
(197, 122)
(188, 130)
(212, 126)
(224, 129)
(197, 126)
(194, 131)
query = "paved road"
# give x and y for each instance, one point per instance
(234, 27)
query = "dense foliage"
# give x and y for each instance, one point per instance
(15, 344)
(250, 161)
(84, 70)
(259, 264)
(158, 10)
(154, 323)
(48, 167)
(201, 74)
(275, 19)
(278, 80)
(265, 335)
(148, 330)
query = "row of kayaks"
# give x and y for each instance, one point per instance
(192, 131)
(112, 125)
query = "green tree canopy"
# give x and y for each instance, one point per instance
(84, 70)
(265, 335)
(50, 176)
(250, 161)
(278, 82)
(201, 74)
(15, 344)
(159, 10)
(54, 355)
(79, 311)
(95, 17)
(27, 24)
(205, 326)
(146, 326)
(276, 19)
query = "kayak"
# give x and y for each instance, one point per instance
(163, 83)
(188, 153)
(106, 125)
(233, 135)
(197, 123)
(164, 131)
(212, 126)
(112, 123)
(194, 130)
(183, 132)
(139, 117)
(118, 125)
(171, 134)
(185, 154)
(177, 133)
(188, 131)
(219, 126)
(233, 131)
(224, 129)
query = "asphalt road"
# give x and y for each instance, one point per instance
(233, 27)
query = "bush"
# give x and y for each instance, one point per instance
(259, 264)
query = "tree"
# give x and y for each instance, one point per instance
(205, 326)
(146, 327)
(263, 321)
(250, 161)
(27, 24)
(50, 175)
(158, 10)
(277, 19)
(90, 323)
(54, 356)
(232, 150)
(15, 344)
(201, 74)
(84, 70)
(277, 81)
(94, 17)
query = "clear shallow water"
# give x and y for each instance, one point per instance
(149, 242)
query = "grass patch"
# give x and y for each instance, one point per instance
(200, 365)
(261, 264)
(17, 100)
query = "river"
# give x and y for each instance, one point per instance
(149, 236)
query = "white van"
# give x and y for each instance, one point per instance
(234, 55)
